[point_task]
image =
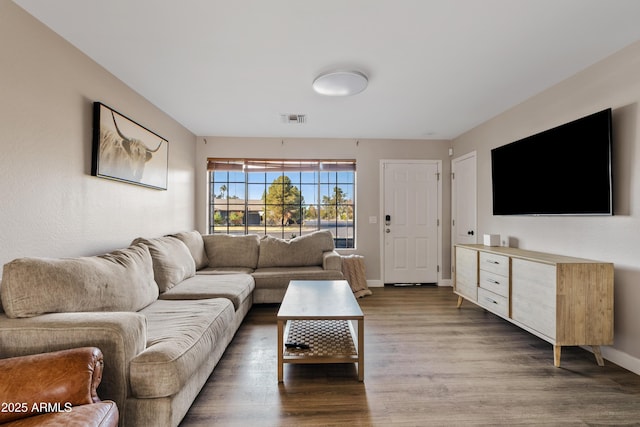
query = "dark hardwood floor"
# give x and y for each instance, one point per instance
(426, 364)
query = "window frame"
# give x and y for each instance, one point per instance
(296, 216)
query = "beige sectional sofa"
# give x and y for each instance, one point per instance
(162, 311)
(273, 262)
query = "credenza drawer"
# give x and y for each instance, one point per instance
(495, 283)
(497, 264)
(493, 302)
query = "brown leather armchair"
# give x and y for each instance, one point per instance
(57, 388)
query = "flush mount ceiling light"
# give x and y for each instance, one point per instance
(340, 83)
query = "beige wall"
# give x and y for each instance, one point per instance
(614, 83)
(367, 152)
(50, 205)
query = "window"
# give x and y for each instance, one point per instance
(283, 198)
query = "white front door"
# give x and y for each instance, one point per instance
(463, 199)
(410, 221)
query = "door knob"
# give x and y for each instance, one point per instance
(387, 231)
(470, 232)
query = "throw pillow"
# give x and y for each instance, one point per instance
(226, 250)
(193, 240)
(118, 281)
(172, 261)
(298, 252)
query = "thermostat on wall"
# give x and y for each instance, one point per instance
(492, 240)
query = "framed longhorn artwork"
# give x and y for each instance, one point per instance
(125, 151)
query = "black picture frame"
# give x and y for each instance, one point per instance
(126, 151)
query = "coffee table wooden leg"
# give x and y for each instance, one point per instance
(361, 350)
(280, 349)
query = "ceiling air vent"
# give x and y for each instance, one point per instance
(294, 118)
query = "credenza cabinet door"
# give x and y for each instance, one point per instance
(533, 295)
(467, 273)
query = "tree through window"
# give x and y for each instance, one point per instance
(283, 198)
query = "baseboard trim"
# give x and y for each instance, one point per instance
(380, 283)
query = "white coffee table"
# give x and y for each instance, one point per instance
(321, 314)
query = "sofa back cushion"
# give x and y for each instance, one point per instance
(301, 251)
(118, 281)
(193, 240)
(225, 250)
(172, 261)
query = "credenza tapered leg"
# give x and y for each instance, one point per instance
(557, 350)
(598, 354)
(460, 299)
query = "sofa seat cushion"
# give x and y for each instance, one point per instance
(172, 261)
(279, 277)
(228, 250)
(298, 252)
(118, 281)
(235, 287)
(180, 337)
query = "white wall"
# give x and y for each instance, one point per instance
(367, 152)
(613, 82)
(50, 205)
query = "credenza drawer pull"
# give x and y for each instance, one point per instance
(490, 261)
(493, 281)
(491, 300)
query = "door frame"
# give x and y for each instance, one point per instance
(471, 155)
(381, 193)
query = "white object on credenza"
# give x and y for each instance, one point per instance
(491, 240)
(563, 300)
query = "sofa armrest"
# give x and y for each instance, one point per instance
(119, 335)
(331, 260)
(49, 382)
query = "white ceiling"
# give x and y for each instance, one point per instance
(436, 68)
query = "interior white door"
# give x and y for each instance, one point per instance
(464, 199)
(410, 222)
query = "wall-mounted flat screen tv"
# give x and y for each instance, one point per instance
(561, 171)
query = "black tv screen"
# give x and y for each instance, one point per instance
(562, 171)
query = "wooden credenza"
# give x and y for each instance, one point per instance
(563, 300)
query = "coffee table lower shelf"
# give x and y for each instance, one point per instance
(329, 341)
